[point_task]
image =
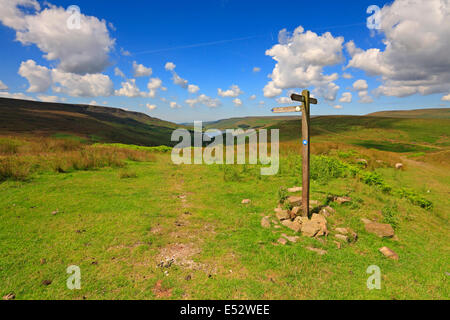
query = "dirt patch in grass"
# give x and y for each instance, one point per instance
(161, 292)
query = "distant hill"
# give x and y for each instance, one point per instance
(247, 122)
(90, 122)
(438, 113)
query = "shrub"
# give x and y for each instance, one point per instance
(125, 174)
(324, 168)
(14, 168)
(390, 215)
(282, 194)
(9, 146)
(414, 198)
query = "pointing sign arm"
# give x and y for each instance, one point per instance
(287, 109)
(298, 97)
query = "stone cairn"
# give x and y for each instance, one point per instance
(289, 214)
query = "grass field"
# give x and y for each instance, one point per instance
(122, 221)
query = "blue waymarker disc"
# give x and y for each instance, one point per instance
(305, 142)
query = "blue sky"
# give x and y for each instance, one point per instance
(216, 44)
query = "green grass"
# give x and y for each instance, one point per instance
(116, 222)
(392, 147)
(124, 224)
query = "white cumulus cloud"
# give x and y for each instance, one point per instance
(46, 98)
(81, 51)
(140, 70)
(170, 66)
(204, 100)
(174, 105)
(39, 77)
(416, 56)
(346, 97)
(233, 92)
(129, 89)
(300, 59)
(3, 87)
(192, 88)
(237, 102)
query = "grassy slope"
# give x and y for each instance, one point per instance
(91, 122)
(129, 222)
(126, 223)
(437, 113)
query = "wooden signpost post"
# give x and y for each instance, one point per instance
(306, 101)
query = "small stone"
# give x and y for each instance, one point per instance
(265, 223)
(399, 166)
(342, 200)
(301, 219)
(341, 237)
(314, 202)
(282, 241)
(294, 201)
(338, 244)
(293, 225)
(322, 222)
(47, 282)
(246, 201)
(317, 250)
(291, 239)
(43, 261)
(341, 230)
(327, 211)
(55, 212)
(9, 296)
(389, 253)
(296, 211)
(382, 230)
(277, 227)
(283, 215)
(294, 189)
(310, 228)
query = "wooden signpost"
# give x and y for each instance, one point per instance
(306, 101)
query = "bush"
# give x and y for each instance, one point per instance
(13, 168)
(282, 194)
(324, 168)
(125, 174)
(390, 215)
(9, 146)
(414, 198)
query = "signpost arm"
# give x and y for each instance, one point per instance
(305, 153)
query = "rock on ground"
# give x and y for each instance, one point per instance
(341, 237)
(282, 241)
(341, 230)
(327, 211)
(265, 223)
(389, 253)
(382, 230)
(295, 201)
(291, 238)
(399, 166)
(9, 296)
(293, 225)
(283, 215)
(296, 211)
(295, 189)
(317, 250)
(246, 201)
